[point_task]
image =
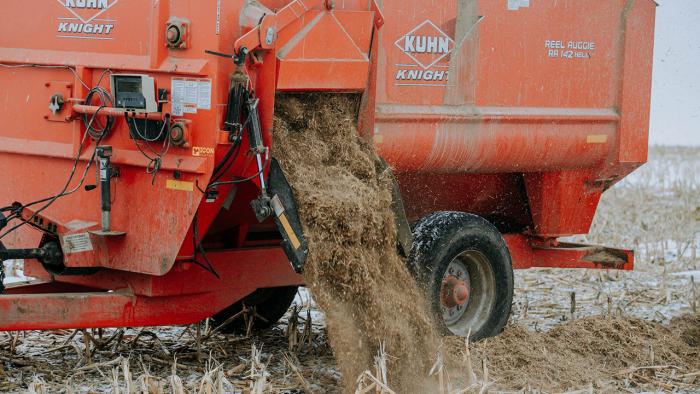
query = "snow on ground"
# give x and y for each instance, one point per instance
(14, 272)
(695, 275)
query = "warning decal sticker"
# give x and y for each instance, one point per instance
(76, 243)
(190, 95)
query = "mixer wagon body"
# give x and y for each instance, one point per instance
(520, 111)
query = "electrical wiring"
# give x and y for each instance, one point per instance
(12, 217)
(101, 131)
(102, 93)
(236, 136)
(239, 94)
(71, 69)
(227, 162)
(235, 126)
(199, 249)
(5, 220)
(104, 73)
(214, 185)
(233, 182)
(64, 192)
(137, 132)
(8, 208)
(239, 181)
(96, 135)
(154, 162)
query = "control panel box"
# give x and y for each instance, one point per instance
(134, 92)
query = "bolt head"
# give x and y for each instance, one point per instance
(173, 35)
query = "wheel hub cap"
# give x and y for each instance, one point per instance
(454, 292)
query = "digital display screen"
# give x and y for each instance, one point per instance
(131, 85)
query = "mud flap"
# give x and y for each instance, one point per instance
(286, 217)
(403, 228)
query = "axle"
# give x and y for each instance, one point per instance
(49, 254)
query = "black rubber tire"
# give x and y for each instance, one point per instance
(442, 237)
(270, 303)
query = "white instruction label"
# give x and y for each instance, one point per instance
(76, 243)
(178, 94)
(190, 95)
(191, 92)
(204, 95)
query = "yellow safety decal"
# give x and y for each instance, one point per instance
(597, 139)
(179, 185)
(290, 232)
(200, 151)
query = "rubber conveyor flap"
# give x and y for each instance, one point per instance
(286, 215)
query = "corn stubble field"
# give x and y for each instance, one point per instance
(570, 331)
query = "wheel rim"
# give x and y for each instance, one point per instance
(467, 293)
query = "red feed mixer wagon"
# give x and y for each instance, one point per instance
(139, 181)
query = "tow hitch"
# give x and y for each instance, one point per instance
(49, 254)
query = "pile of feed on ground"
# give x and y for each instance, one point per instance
(353, 271)
(606, 354)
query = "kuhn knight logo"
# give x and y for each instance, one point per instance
(428, 48)
(87, 19)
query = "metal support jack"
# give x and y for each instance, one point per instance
(105, 173)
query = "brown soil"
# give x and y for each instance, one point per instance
(596, 350)
(353, 269)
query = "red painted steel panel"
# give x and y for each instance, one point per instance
(545, 88)
(187, 294)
